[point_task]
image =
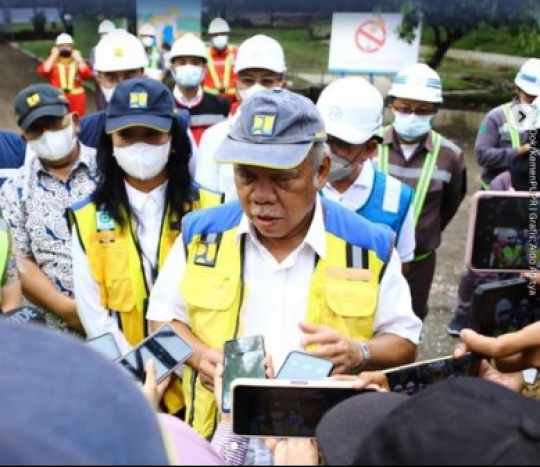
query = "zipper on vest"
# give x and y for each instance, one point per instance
(193, 383)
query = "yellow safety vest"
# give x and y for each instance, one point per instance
(5, 247)
(220, 88)
(117, 267)
(67, 74)
(422, 187)
(343, 292)
(209, 198)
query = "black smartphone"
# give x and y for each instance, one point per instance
(503, 306)
(304, 367)
(412, 378)
(503, 234)
(168, 350)
(283, 408)
(106, 345)
(242, 358)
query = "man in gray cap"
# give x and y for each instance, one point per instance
(304, 272)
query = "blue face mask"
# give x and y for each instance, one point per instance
(189, 76)
(412, 127)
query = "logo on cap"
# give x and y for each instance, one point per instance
(263, 125)
(138, 100)
(119, 52)
(335, 113)
(33, 100)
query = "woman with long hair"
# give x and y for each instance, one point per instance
(123, 232)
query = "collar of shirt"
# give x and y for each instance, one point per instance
(390, 137)
(189, 103)
(315, 237)
(138, 199)
(87, 158)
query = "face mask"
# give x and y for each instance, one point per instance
(108, 92)
(411, 127)
(65, 53)
(54, 145)
(147, 41)
(141, 160)
(188, 76)
(340, 168)
(245, 93)
(220, 42)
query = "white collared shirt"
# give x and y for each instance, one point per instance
(208, 173)
(358, 194)
(278, 293)
(184, 101)
(149, 209)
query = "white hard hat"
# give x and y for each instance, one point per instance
(418, 82)
(106, 26)
(118, 51)
(147, 29)
(260, 51)
(188, 45)
(218, 26)
(352, 109)
(64, 39)
(528, 77)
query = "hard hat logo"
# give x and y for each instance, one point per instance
(335, 113)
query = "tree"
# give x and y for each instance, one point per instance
(450, 20)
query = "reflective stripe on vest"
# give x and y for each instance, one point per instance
(218, 87)
(428, 169)
(343, 290)
(66, 75)
(117, 267)
(154, 59)
(205, 120)
(515, 137)
(5, 244)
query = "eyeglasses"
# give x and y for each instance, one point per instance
(266, 81)
(417, 111)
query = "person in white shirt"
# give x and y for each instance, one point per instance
(304, 272)
(260, 64)
(352, 111)
(123, 232)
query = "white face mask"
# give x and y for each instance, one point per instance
(147, 41)
(220, 42)
(245, 93)
(412, 127)
(54, 146)
(188, 76)
(108, 92)
(141, 160)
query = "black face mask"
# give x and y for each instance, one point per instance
(65, 53)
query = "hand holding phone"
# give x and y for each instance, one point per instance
(165, 347)
(242, 358)
(304, 367)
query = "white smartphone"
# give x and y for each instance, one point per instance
(284, 408)
(168, 350)
(106, 345)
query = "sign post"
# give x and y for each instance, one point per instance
(369, 44)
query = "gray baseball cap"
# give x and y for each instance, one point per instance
(276, 129)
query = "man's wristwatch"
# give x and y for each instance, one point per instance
(366, 353)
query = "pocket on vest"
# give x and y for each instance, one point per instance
(204, 292)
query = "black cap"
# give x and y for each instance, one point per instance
(141, 102)
(37, 101)
(459, 421)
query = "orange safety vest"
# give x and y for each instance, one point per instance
(221, 79)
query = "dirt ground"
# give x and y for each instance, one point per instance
(20, 72)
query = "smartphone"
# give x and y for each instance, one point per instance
(412, 378)
(168, 350)
(106, 345)
(285, 408)
(242, 358)
(503, 306)
(503, 234)
(304, 367)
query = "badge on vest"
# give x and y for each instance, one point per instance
(105, 227)
(206, 250)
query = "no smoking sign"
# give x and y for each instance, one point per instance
(370, 36)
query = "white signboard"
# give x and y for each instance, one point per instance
(368, 43)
